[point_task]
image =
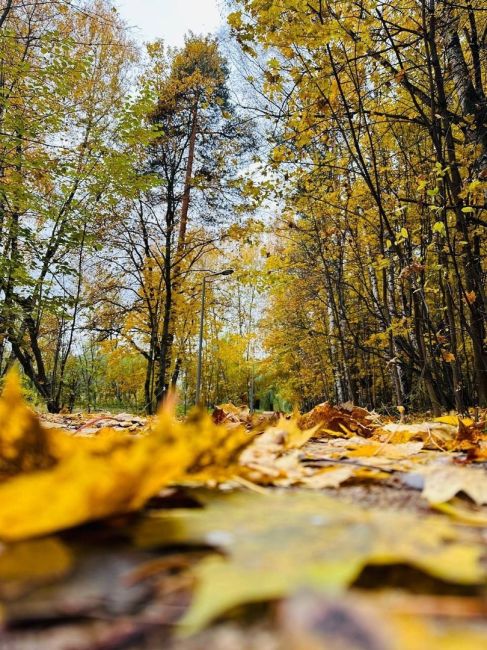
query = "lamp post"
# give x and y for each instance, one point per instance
(202, 323)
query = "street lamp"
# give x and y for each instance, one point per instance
(202, 322)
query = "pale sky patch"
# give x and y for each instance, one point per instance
(170, 19)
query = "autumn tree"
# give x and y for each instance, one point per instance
(64, 73)
(164, 234)
(197, 160)
(379, 155)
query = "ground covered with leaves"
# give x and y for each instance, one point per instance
(336, 529)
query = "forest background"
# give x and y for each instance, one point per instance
(333, 155)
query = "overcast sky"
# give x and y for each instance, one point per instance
(170, 19)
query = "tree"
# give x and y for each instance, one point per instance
(64, 72)
(196, 155)
(379, 156)
(164, 234)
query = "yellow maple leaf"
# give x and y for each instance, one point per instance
(92, 478)
(262, 535)
(86, 486)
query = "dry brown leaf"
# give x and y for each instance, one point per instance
(345, 419)
(273, 457)
(225, 413)
(435, 434)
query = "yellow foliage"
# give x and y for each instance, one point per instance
(86, 479)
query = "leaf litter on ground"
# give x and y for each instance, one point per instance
(261, 507)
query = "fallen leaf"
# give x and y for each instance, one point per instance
(324, 545)
(387, 450)
(215, 449)
(273, 456)
(34, 560)
(459, 512)
(109, 474)
(230, 413)
(454, 420)
(85, 487)
(328, 478)
(348, 419)
(443, 482)
(434, 433)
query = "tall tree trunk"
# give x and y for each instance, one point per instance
(473, 103)
(149, 373)
(172, 287)
(183, 224)
(167, 336)
(5, 12)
